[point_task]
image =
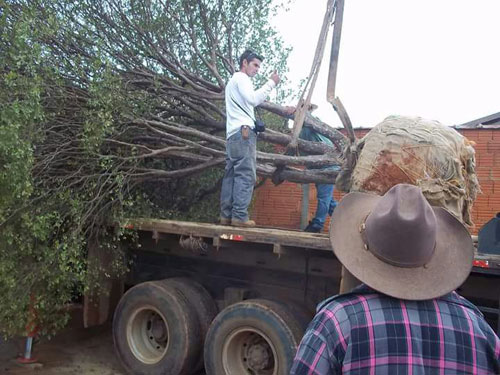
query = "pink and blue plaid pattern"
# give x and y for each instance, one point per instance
(366, 332)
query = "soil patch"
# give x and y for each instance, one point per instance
(74, 351)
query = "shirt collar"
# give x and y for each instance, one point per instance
(452, 297)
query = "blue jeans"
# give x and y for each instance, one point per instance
(326, 204)
(239, 177)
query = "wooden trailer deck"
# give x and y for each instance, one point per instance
(279, 238)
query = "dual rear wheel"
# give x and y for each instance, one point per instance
(160, 327)
(254, 337)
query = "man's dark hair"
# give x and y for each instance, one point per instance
(249, 55)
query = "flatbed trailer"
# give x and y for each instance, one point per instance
(249, 292)
(482, 287)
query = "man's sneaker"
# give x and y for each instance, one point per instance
(225, 220)
(312, 228)
(241, 223)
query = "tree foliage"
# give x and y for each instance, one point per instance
(115, 108)
(38, 254)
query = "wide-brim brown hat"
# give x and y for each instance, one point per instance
(446, 266)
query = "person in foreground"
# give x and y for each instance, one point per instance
(405, 318)
(241, 140)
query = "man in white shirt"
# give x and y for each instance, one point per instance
(241, 140)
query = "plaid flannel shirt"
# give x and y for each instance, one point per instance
(366, 332)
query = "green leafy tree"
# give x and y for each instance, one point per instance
(44, 222)
(111, 109)
(34, 261)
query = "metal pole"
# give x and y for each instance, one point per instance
(304, 213)
(28, 352)
(29, 345)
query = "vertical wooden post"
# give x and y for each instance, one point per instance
(304, 212)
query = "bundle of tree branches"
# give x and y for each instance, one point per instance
(163, 66)
(134, 89)
(106, 104)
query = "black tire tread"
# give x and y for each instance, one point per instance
(201, 301)
(180, 359)
(279, 312)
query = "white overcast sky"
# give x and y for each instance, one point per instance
(438, 59)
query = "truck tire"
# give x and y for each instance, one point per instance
(156, 331)
(252, 337)
(202, 302)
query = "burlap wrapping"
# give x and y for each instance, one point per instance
(421, 152)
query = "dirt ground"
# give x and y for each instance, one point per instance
(74, 351)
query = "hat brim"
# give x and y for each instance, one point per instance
(448, 268)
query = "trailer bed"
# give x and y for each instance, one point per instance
(263, 235)
(278, 263)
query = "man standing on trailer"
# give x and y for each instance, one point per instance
(324, 192)
(241, 140)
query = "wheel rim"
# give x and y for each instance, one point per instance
(148, 335)
(248, 350)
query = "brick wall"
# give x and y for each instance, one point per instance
(487, 204)
(280, 206)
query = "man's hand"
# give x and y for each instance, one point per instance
(275, 77)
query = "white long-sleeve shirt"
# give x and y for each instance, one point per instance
(240, 89)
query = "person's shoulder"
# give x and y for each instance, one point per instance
(234, 80)
(238, 79)
(306, 133)
(338, 314)
(456, 299)
(354, 300)
(467, 310)
(240, 76)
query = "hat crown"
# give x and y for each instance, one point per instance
(401, 229)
